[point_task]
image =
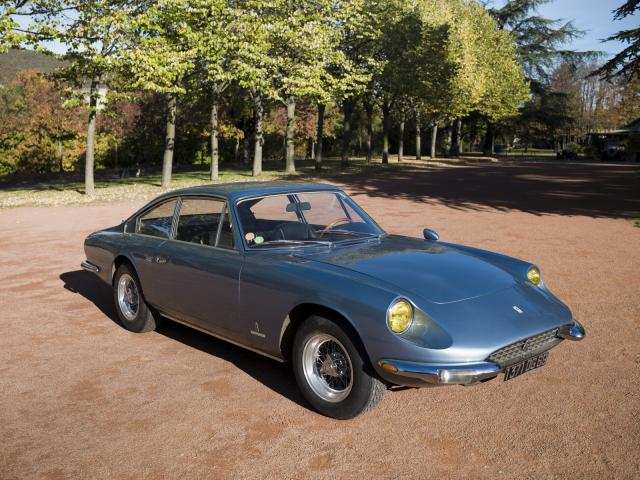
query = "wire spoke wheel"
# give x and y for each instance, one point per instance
(327, 367)
(128, 297)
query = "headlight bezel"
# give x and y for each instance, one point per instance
(394, 303)
(534, 276)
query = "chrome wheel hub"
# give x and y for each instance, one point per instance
(128, 297)
(327, 367)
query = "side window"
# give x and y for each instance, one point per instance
(157, 221)
(198, 221)
(226, 234)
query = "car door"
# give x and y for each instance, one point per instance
(202, 267)
(147, 233)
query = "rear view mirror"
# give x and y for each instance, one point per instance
(292, 207)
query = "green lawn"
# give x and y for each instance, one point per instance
(109, 187)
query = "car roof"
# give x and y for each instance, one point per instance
(237, 191)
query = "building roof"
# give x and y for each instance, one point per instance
(633, 127)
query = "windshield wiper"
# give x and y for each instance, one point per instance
(351, 233)
(276, 243)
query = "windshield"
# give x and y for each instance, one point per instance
(308, 218)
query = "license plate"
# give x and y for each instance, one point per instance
(525, 366)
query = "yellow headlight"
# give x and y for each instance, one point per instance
(400, 316)
(534, 276)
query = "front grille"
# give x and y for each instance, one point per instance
(525, 348)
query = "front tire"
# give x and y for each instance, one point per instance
(133, 312)
(330, 370)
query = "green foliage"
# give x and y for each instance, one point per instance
(539, 41)
(465, 63)
(625, 64)
(224, 60)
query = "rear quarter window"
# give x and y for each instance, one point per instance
(157, 221)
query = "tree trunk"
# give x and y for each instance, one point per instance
(214, 137)
(319, 135)
(236, 150)
(246, 148)
(347, 109)
(291, 146)
(418, 138)
(259, 136)
(89, 162)
(454, 150)
(489, 140)
(403, 116)
(170, 140)
(434, 137)
(312, 148)
(448, 138)
(386, 121)
(60, 164)
(368, 106)
(115, 163)
(456, 132)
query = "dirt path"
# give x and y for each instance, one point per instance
(82, 398)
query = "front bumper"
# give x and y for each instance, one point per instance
(90, 267)
(461, 374)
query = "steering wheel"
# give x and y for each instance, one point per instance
(326, 229)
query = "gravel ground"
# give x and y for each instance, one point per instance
(83, 398)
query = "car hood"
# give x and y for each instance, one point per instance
(435, 272)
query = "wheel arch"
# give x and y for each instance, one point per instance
(119, 260)
(298, 314)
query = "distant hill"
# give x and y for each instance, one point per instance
(15, 60)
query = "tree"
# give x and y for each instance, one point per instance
(539, 45)
(10, 32)
(351, 74)
(92, 32)
(158, 57)
(399, 54)
(36, 124)
(306, 44)
(462, 63)
(625, 64)
(208, 33)
(539, 41)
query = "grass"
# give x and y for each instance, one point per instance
(109, 187)
(636, 221)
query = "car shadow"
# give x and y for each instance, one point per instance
(272, 374)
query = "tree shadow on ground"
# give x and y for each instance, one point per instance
(272, 374)
(541, 188)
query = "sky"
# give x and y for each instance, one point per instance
(593, 16)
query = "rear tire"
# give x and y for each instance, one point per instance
(330, 370)
(133, 312)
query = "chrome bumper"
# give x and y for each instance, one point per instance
(468, 374)
(91, 267)
(463, 374)
(574, 331)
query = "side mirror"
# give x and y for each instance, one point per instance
(430, 235)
